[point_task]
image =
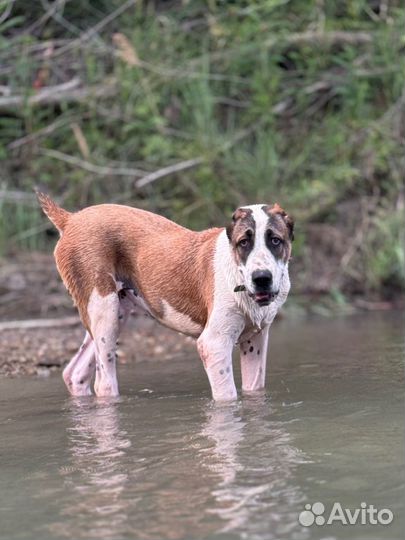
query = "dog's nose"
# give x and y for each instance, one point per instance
(262, 279)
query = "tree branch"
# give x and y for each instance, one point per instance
(91, 167)
(69, 91)
(165, 171)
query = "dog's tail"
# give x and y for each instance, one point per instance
(55, 213)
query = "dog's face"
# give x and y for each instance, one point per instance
(260, 237)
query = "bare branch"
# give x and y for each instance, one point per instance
(91, 167)
(166, 171)
(96, 28)
(42, 132)
(65, 92)
(58, 16)
(337, 37)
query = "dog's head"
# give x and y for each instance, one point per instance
(260, 237)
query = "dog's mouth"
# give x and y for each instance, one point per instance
(264, 298)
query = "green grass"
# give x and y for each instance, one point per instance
(273, 117)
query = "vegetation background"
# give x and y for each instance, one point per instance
(191, 108)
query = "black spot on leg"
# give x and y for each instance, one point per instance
(249, 342)
(221, 371)
(244, 353)
(228, 369)
(103, 339)
(251, 349)
(120, 317)
(81, 381)
(258, 351)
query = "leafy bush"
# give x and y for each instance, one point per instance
(298, 101)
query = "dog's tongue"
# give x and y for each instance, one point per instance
(262, 296)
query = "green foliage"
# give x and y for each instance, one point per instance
(274, 111)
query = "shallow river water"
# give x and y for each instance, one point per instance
(164, 463)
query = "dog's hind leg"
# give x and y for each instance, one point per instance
(80, 370)
(104, 325)
(124, 311)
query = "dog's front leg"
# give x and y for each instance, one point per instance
(216, 354)
(215, 346)
(253, 356)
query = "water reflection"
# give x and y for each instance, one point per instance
(196, 470)
(95, 475)
(254, 461)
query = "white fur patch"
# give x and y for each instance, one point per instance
(228, 275)
(261, 258)
(98, 305)
(179, 321)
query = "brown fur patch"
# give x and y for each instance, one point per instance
(288, 220)
(241, 234)
(281, 225)
(161, 259)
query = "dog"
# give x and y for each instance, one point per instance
(222, 286)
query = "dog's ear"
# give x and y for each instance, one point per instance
(238, 214)
(229, 230)
(288, 220)
(230, 226)
(290, 224)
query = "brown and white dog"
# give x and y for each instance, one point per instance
(222, 286)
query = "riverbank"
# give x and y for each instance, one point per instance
(40, 351)
(40, 330)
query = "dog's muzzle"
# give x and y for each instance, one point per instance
(263, 283)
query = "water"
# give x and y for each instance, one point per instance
(163, 462)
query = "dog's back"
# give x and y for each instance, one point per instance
(103, 245)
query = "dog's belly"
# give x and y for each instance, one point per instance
(179, 321)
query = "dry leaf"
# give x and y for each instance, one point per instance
(126, 51)
(81, 140)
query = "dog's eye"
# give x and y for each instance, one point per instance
(275, 241)
(244, 242)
